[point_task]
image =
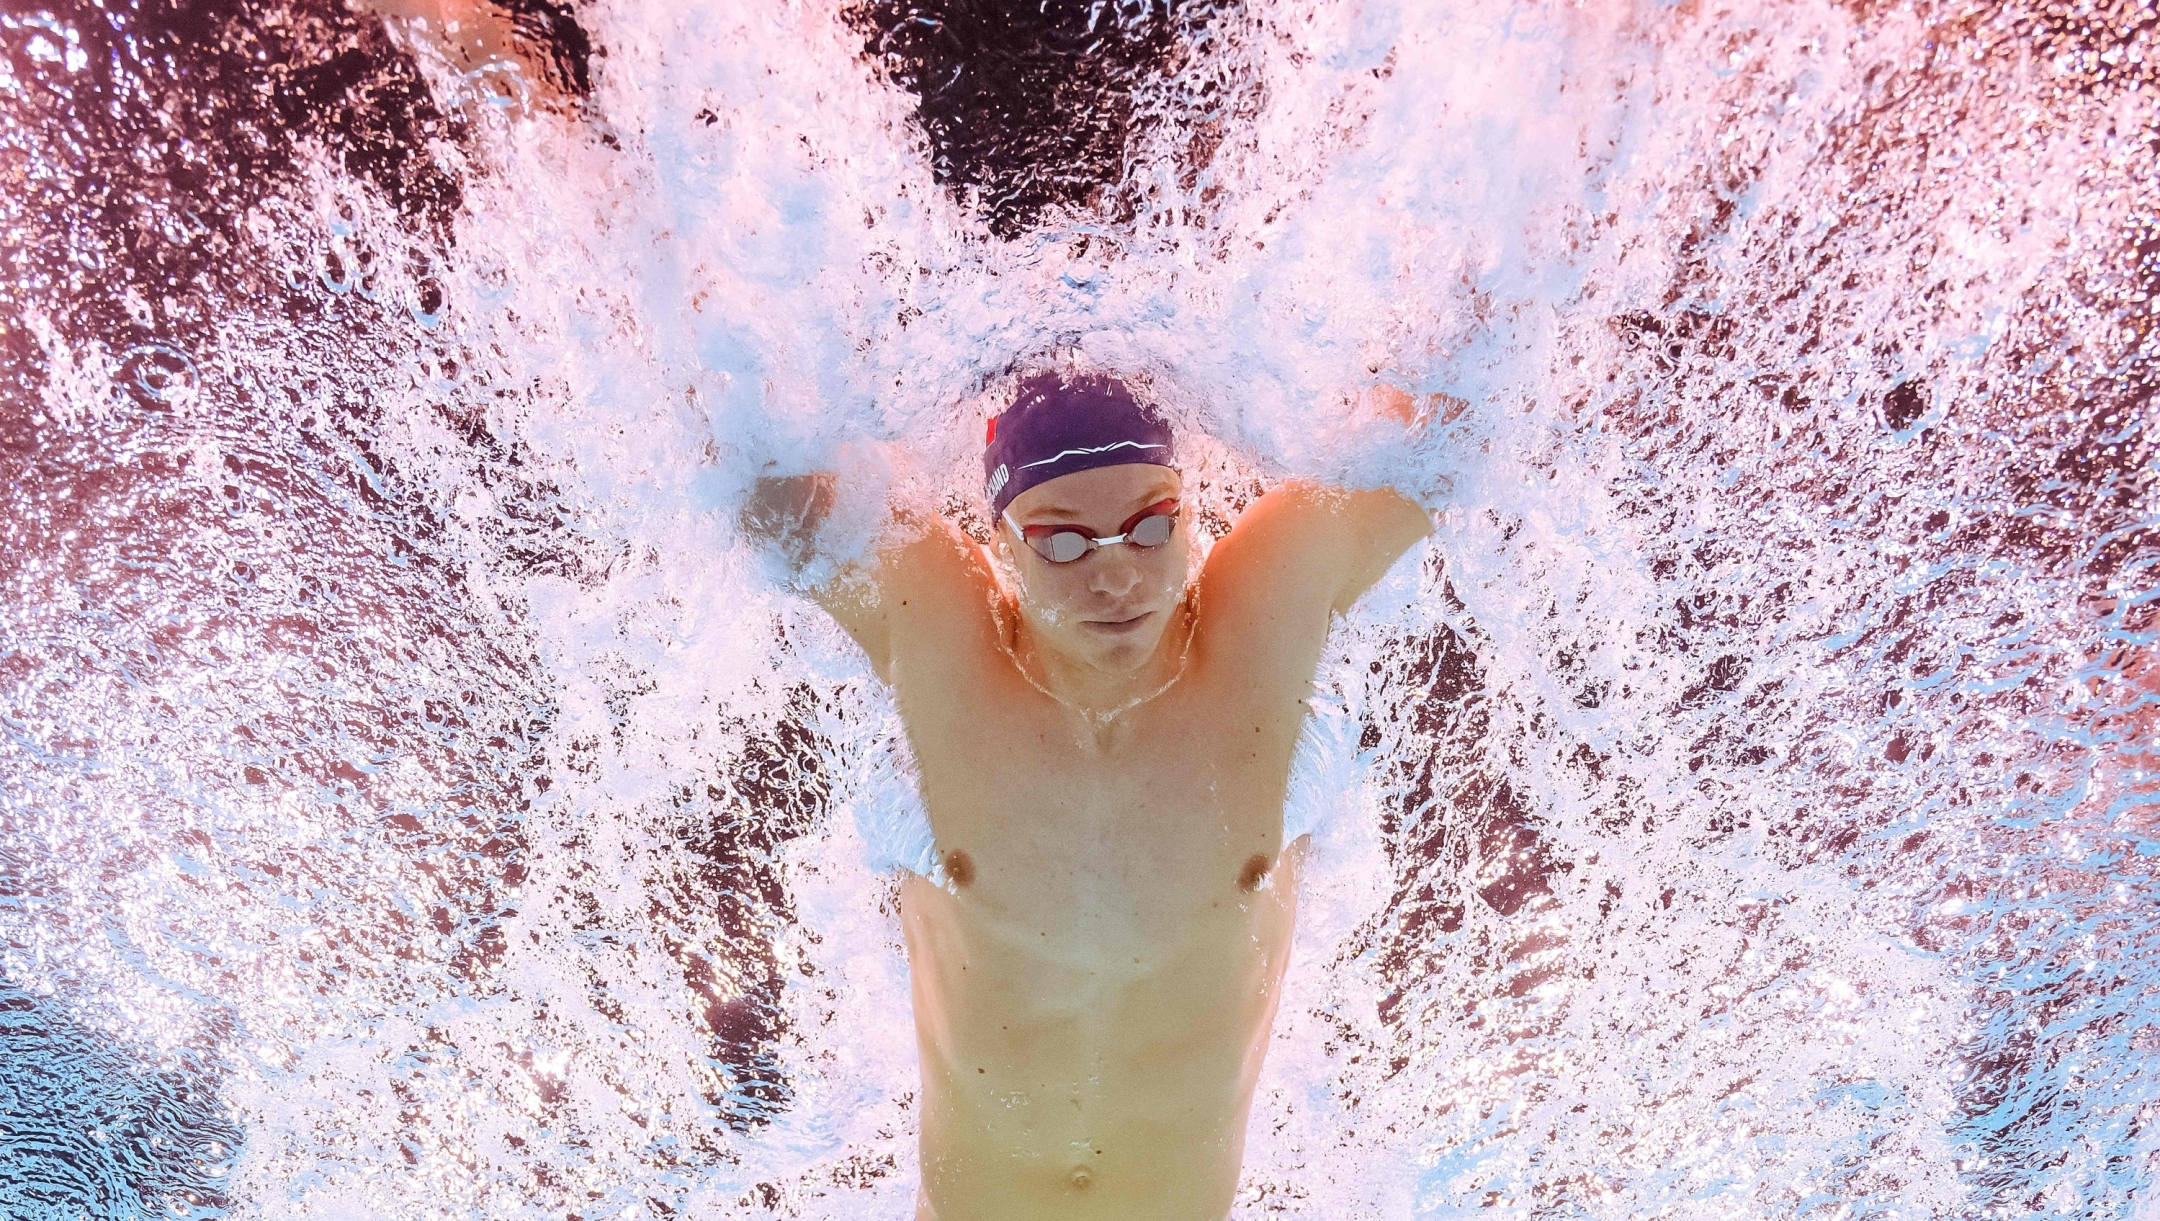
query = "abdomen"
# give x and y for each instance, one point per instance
(1076, 1068)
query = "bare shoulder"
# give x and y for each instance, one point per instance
(940, 594)
(915, 581)
(926, 596)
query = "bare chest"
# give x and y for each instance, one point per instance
(1178, 805)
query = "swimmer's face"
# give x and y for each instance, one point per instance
(1110, 607)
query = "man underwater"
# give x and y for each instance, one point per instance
(1103, 745)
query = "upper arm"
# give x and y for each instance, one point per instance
(918, 569)
(1349, 538)
(1378, 525)
(854, 601)
(928, 581)
(1326, 546)
(1298, 556)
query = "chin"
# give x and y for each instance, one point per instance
(1124, 659)
(1126, 654)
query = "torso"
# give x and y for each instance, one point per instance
(1096, 978)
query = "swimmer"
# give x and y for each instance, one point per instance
(1104, 740)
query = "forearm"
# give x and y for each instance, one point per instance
(1398, 441)
(824, 536)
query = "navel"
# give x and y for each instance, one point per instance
(960, 867)
(1255, 872)
(1081, 1178)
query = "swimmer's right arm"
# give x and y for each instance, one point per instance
(786, 514)
(923, 569)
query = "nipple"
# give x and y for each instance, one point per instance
(960, 867)
(1255, 872)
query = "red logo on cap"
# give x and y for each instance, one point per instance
(991, 436)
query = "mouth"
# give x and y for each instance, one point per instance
(1119, 627)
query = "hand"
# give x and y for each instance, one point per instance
(786, 512)
(484, 41)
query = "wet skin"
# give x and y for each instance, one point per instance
(472, 35)
(1103, 750)
(470, 32)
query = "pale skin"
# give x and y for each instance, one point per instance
(471, 34)
(1103, 749)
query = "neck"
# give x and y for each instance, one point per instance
(1100, 695)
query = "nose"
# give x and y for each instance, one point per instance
(1116, 573)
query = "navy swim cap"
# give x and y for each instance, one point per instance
(1059, 425)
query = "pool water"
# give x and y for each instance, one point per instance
(417, 801)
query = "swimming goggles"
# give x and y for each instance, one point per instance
(1150, 527)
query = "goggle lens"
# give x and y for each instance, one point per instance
(1064, 544)
(1151, 531)
(1063, 547)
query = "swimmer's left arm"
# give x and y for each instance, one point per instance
(1338, 541)
(1379, 525)
(1308, 549)
(1358, 534)
(1372, 528)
